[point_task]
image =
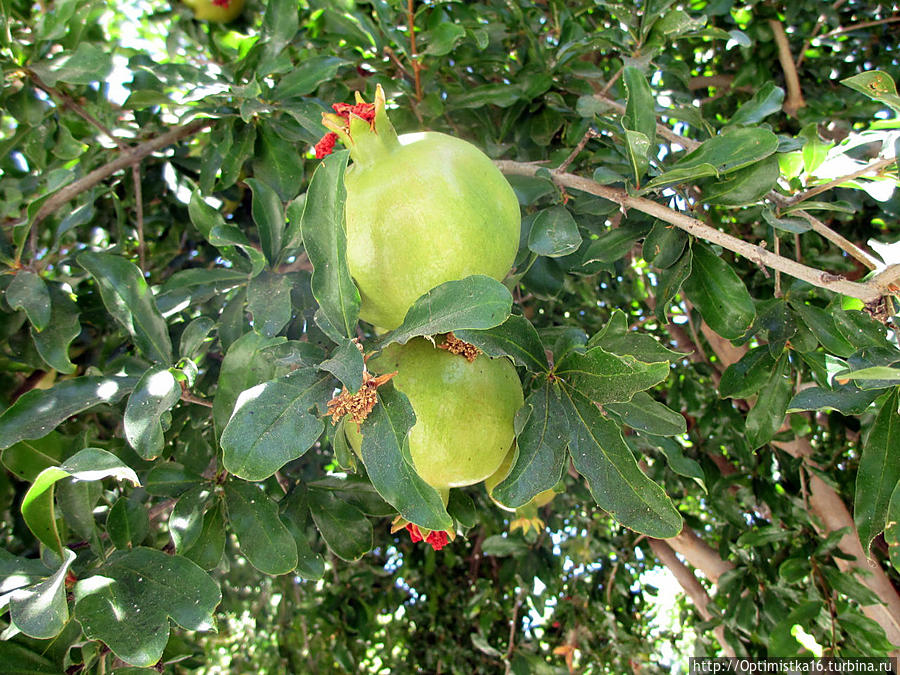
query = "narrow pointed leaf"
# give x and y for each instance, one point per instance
(617, 484)
(129, 300)
(322, 227)
(765, 419)
(395, 479)
(879, 471)
(39, 411)
(607, 378)
(643, 413)
(718, 292)
(542, 446)
(268, 214)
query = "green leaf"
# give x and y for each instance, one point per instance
(745, 186)
(892, 528)
(617, 484)
(88, 63)
(541, 444)
(186, 520)
(384, 433)
(26, 459)
(41, 611)
(501, 545)
(53, 342)
(295, 514)
(347, 365)
(476, 302)
(263, 538)
(822, 325)
(443, 38)
(28, 292)
(170, 479)
(22, 661)
(268, 214)
(849, 586)
(281, 169)
(877, 85)
(245, 365)
(128, 603)
(128, 523)
(782, 642)
(194, 335)
(210, 545)
(614, 244)
(305, 78)
(129, 300)
(607, 378)
(88, 464)
(879, 471)
(677, 175)
(885, 373)
(269, 301)
(718, 292)
(747, 376)
(616, 338)
(848, 400)
(638, 148)
(76, 501)
(554, 233)
(639, 121)
(766, 101)
(154, 395)
(664, 244)
(516, 338)
(274, 423)
(765, 419)
(39, 411)
(643, 413)
(322, 226)
(670, 281)
(677, 461)
(344, 527)
(224, 237)
(203, 216)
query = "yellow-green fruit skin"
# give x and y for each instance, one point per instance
(464, 411)
(205, 10)
(435, 209)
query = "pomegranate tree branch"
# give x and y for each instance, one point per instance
(865, 292)
(859, 26)
(794, 99)
(839, 241)
(413, 56)
(815, 32)
(127, 158)
(875, 167)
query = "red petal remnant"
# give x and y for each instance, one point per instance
(221, 3)
(326, 146)
(437, 538)
(363, 110)
(414, 533)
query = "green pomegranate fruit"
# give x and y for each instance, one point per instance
(464, 411)
(216, 11)
(421, 209)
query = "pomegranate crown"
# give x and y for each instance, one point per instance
(362, 127)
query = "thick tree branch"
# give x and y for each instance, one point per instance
(700, 554)
(794, 100)
(752, 252)
(692, 588)
(839, 241)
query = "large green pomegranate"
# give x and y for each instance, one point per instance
(421, 209)
(464, 411)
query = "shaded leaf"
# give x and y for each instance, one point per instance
(643, 413)
(128, 603)
(607, 378)
(263, 538)
(516, 338)
(268, 214)
(767, 415)
(53, 342)
(344, 528)
(269, 302)
(718, 292)
(554, 233)
(28, 292)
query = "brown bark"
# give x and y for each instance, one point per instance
(699, 554)
(692, 588)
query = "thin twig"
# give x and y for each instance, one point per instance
(397, 62)
(794, 99)
(612, 81)
(513, 625)
(815, 32)
(411, 19)
(839, 241)
(589, 134)
(662, 130)
(190, 398)
(126, 159)
(139, 214)
(876, 167)
(859, 26)
(777, 248)
(865, 292)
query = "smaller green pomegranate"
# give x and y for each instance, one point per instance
(421, 209)
(464, 411)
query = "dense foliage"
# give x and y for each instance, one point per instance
(701, 313)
